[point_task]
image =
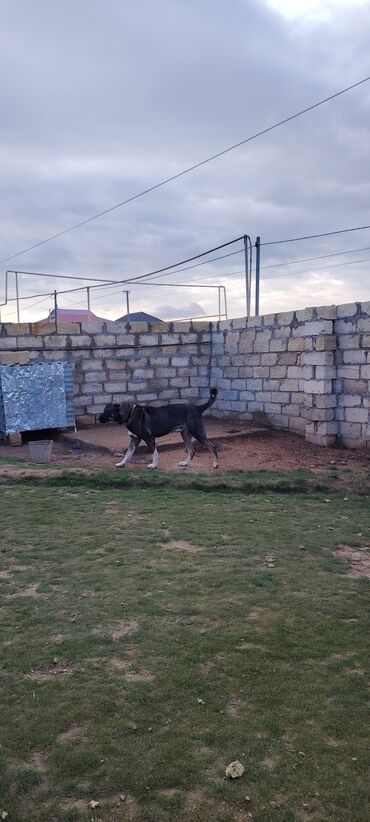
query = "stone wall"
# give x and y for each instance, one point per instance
(307, 371)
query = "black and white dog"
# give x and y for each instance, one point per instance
(146, 422)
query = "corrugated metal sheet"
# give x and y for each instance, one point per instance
(35, 397)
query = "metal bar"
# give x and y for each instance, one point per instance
(127, 303)
(258, 269)
(17, 297)
(60, 276)
(88, 298)
(219, 303)
(56, 310)
(247, 277)
(225, 301)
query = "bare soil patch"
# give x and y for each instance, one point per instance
(129, 675)
(75, 732)
(180, 545)
(358, 560)
(124, 628)
(241, 446)
(24, 591)
(59, 670)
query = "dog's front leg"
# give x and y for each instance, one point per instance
(153, 449)
(134, 442)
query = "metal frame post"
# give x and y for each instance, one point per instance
(258, 269)
(248, 271)
(17, 297)
(88, 298)
(56, 310)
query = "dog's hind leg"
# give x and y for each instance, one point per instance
(189, 447)
(134, 442)
(198, 433)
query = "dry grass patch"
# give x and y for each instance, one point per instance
(358, 560)
(124, 666)
(75, 732)
(180, 545)
(124, 628)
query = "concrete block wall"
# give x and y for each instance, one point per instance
(115, 362)
(308, 371)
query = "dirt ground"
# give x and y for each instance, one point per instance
(242, 447)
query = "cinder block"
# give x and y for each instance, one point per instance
(253, 385)
(318, 386)
(178, 361)
(328, 343)
(325, 372)
(288, 358)
(17, 329)
(278, 345)
(285, 318)
(14, 357)
(351, 372)
(9, 343)
(356, 415)
(26, 342)
(312, 329)
(349, 400)
(353, 430)
(92, 328)
(55, 342)
(355, 386)
(354, 356)
(317, 358)
(316, 439)
(363, 325)
(348, 442)
(319, 414)
(296, 344)
(326, 312)
(349, 341)
(42, 328)
(346, 310)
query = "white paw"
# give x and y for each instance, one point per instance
(151, 465)
(184, 463)
(120, 464)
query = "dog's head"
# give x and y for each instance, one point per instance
(114, 412)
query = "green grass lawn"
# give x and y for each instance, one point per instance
(153, 630)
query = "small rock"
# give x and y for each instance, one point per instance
(122, 797)
(301, 753)
(235, 769)
(200, 701)
(4, 814)
(93, 804)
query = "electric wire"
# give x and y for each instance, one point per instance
(189, 169)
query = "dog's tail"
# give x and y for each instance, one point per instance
(212, 399)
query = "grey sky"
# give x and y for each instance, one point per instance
(100, 100)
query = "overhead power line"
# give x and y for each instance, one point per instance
(188, 170)
(315, 236)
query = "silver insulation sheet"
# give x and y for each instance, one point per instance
(33, 397)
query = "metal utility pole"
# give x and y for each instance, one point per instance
(88, 298)
(248, 271)
(127, 303)
(258, 257)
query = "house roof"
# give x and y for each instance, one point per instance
(138, 317)
(73, 315)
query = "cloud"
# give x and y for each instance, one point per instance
(93, 113)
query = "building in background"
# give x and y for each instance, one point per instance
(72, 315)
(138, 317)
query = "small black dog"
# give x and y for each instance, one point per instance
(146, 422)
